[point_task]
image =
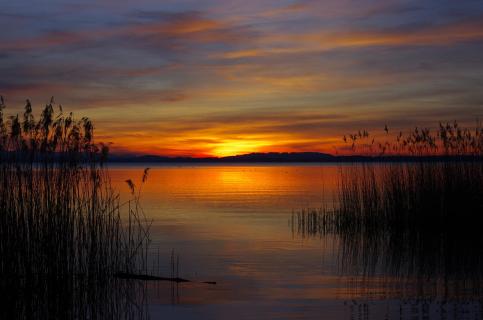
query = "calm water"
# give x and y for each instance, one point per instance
(232, 224)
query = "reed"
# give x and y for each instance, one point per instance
(414, 221)
(63, 231)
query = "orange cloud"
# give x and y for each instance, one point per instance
(433, 35)
(323, 40)
(289, 9)
(190, 26)
(193, 27)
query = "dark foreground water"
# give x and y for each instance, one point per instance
(234, 225)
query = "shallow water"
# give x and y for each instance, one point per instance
(232, 224)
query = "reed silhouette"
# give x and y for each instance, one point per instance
(449, 139)
(418, 223)
(63, 232)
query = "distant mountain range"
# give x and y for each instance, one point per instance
(251, 157)
(272, 157)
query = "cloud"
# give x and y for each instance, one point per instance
(386, 8)
(324, 40)
(429, 35)
(299, 6)
(166, 29)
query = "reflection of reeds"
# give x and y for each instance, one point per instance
(417, 221)
(62, 238)
(411, 309)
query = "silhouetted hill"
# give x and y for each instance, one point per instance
(251, 157)
(280, 157)
(307, 157)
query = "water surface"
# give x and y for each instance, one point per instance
(232, 224)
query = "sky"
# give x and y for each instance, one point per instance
(225, 77)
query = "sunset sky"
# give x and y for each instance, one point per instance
(224, 77)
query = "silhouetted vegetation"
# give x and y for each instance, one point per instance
(449, 139)
(419, 222)
(63, 232)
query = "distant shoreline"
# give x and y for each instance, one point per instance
(305, 157)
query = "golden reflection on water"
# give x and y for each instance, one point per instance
(248, 187)
(236, 202)
(230, 224)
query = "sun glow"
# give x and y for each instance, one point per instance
(237, 147)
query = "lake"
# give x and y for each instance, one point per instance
(234, 224)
